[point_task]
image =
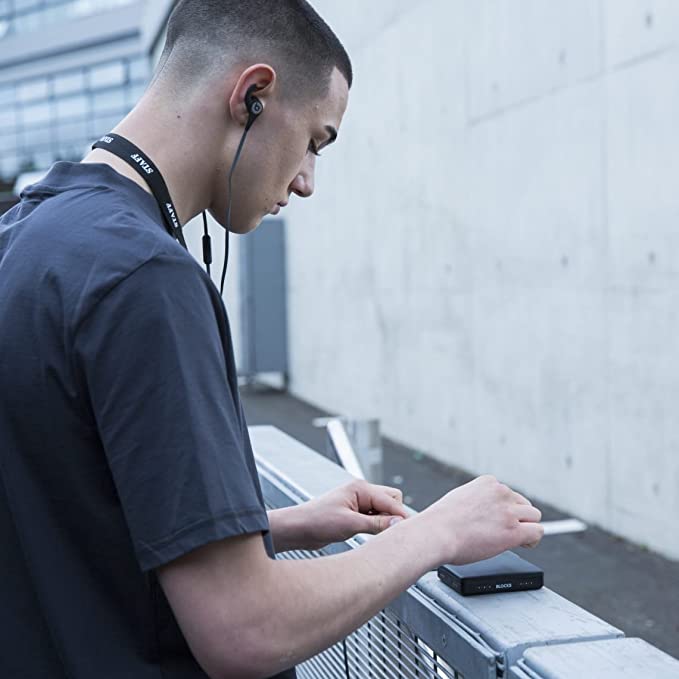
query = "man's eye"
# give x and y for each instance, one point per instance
(313, 149)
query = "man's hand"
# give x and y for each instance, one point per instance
(358, 507)
(479, 520)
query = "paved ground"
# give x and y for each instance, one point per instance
(632, 588)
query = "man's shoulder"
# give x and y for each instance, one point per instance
(85, 208)
(111, 224)
(105, 238)
(72, 246)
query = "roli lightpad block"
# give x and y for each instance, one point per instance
(506, 572)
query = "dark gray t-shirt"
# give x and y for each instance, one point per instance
(122, 438)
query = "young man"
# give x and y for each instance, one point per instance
(135, 542)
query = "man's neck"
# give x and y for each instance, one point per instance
(185, 173)
(120, 166)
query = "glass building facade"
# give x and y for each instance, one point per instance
(56, 113)
(24, 16)
(55, 117)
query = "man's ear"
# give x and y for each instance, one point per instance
(263, 77)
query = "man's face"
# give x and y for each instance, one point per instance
(279, 157)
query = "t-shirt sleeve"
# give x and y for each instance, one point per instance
(152, 355)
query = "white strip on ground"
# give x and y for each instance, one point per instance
(564, 526)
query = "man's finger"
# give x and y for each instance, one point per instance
(396, 493)
(527, 513)
(532, 534)
(376, 523)
(520, 499)
(379, 499)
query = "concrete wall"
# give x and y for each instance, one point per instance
(491, 261)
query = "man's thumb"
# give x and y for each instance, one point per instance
(380, 522)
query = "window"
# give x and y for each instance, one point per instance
(36, 113)
(139, 69)
(85, 7)
(39, 136)
(72, 107)
(72, 151)
(71, 132)
(7, 118)
(23, 16)
(7, 143)
(32, 89)
(61, 114)
(25, 5)
(26, 23)
(68, 83)
(43, 158)
(107, 75)
(134, 94)
(6, 95)
(109, 101)
(103, 124)
(9, 165)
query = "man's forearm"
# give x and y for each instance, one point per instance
(287, 529)
(246, 615)
(310, 604)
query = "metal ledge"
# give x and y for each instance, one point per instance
(524, 635)
(597, 660)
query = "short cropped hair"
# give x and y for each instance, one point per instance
(204, 36)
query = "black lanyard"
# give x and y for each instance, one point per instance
(134, 157)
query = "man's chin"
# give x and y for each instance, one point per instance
(239, 227)
(242, 229)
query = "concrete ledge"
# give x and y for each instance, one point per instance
(512, 623)
(537, 634)
(612, 659)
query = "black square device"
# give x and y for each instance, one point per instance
(506, 572)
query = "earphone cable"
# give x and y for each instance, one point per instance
(346, 658)
(228, 209)
(207, 245)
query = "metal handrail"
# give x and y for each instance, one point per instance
(431, 631)
(342, 447)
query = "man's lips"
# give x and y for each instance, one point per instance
(278, 207)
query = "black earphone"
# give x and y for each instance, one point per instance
(254, 108)
(253, 105)
(141, 163)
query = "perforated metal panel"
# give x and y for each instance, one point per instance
(383, 648)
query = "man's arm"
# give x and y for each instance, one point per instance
(357, 507)
(245, 615)
(286, 528)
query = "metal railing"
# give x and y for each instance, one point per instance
(430, 631)
(355, 444)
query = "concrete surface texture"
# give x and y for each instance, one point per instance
(635, 590)
(490, 262)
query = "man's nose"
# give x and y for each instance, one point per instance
(303, 183)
